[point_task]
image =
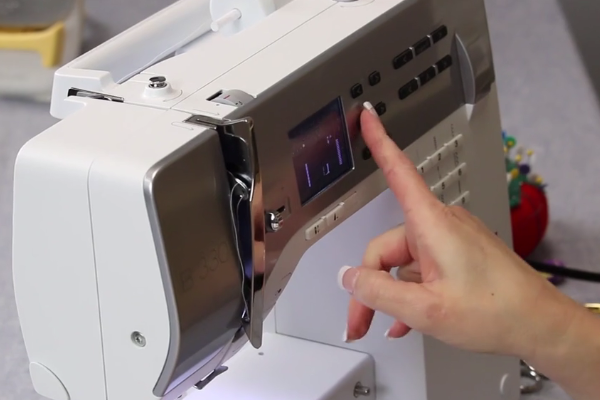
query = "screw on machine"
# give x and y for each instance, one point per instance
(138, 339)
(360, 390)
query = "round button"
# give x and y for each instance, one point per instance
(366, 154)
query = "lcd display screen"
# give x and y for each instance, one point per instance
(321, 150)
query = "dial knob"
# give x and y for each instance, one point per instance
(274, 221)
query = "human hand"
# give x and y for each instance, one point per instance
(458, 281)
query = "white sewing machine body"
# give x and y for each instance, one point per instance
(127, 259)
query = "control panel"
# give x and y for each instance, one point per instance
(310, 150)
(440, 157)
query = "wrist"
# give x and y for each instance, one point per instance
(565, 346)
(539, 316)
(556, 322)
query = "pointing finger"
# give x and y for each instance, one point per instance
(400, 172)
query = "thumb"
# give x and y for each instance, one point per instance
(379, 291)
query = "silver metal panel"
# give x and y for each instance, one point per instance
(373, 48)
(188, 198)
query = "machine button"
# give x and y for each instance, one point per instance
(449, 179)
(356, 91)
(408, 89)
(426, 165)
(374, 78)
(380, 108)
(422, 45)
(351, 201)
(439, 188)
(442, 185)
(366, 154)
(439, 155)
(444, 64)
(460, 171)
(456, 143)
(427, 75)
(316, 229)
(456, 174)
(404, 58)
(462, 200)
(439, 34)
(335, 215)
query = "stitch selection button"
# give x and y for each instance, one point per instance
(316, 229)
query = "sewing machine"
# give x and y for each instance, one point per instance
(180, 231)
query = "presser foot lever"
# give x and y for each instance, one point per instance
(218, 371)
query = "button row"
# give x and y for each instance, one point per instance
(425, 77)
(328, 220)
(434, 159)
(420, 47)
(449, 179)
(404, 58)
(357, 90)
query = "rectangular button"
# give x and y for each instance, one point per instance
(462, 200)
(460, 171)
(450, 179)
(316, 229)
(422, 45)
(404, 58)
(455, 143)
(351, 202)
(439, 34)
(439, 155)
(442, 185)
(444, 64)
(425, 166)
(381, 108)
(408, 89)
(334, 215)
(438, 188)
(427, 75)
(455, 175)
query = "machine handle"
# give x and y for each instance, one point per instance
(132, 51)
(476, 67)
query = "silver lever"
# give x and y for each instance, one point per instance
(241, 160)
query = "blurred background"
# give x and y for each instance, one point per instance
(548, 73)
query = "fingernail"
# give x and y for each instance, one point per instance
(387, 335)
(345, 338)
(369, 107)
(347, 278)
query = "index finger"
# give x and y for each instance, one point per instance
(400, 173)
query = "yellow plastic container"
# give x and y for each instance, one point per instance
(36, 38)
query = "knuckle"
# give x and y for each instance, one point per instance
(455, 212)
(434, 314)
(371, 255)
(369, 287)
